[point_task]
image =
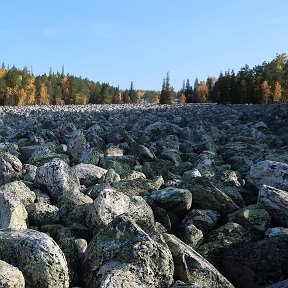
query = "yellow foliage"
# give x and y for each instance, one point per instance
(81, 99)
(2, 73)
(277, 93)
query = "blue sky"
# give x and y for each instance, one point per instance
(119, 41)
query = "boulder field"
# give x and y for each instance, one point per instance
(144, 196)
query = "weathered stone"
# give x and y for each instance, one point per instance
(275, 201)
(226, 236)
(10, 276)
(191, 267)
(107, 206)
(57, 178)
(175, 199)
(125, 242)
(269, 173)
(207, 196)
(42, 213)
(255, 219)
(29, 172)
(205, 219)
(13, 214)
(10, 167)
(88, 174)
(19, 190)
(36, 255)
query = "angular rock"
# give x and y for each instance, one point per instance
(270, 173)
(207, 196)
(125, 242)
(225, 237)
(36, 255)
(13, 214)
(42, 213)
(57, 178)
(205, 219)
(10, 276)
(10, 167)
(174, 199)
(191, 267)
(88, 174)
(107, 206)
(255, 219)
(275, 201)
(19, 190)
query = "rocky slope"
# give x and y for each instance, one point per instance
(144, 196)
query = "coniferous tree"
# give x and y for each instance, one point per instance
(167, 95)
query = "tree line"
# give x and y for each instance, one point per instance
(20, 87)
(265, 83)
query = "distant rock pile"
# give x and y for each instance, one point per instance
(144, 196)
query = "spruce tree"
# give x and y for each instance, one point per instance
(167, 95)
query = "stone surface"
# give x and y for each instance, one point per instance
(275, 201)
(37, 256)
(269, 173)
(191, 267)
(174, 199)
(125, 242)
(10, 276)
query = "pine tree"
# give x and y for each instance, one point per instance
(167, 95)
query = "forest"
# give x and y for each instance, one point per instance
(262, 84)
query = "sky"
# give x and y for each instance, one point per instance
(119, 41)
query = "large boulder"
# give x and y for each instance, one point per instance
(276, 202)
(88, 174)
(174, 199)
(203, 219)
(12, 213)
(10, 168)
(255, 219)
(225, 237)
(110, 204)
(42, 213)
(191, 267)
(208, 196)
(57, 178)
(124, 242)
(10, 276)
(19, 190)
(269, 173)
(36, 255)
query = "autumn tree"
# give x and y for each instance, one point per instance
(201, 92)
(277, 93)
(117, 96)
(182, 98)
(265, 92)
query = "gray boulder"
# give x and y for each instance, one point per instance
(269, 173)
(174, 199)
(88, 174)
(257, 264)
(125, 242)
(10, 168)
(42, 213)
(275, 201)
(57, 178)
(10, 276)
(207, 196)
(255, 219)
(13, 214)
(191, 267)
(36, 255)
(19, 190)
(203, 219)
